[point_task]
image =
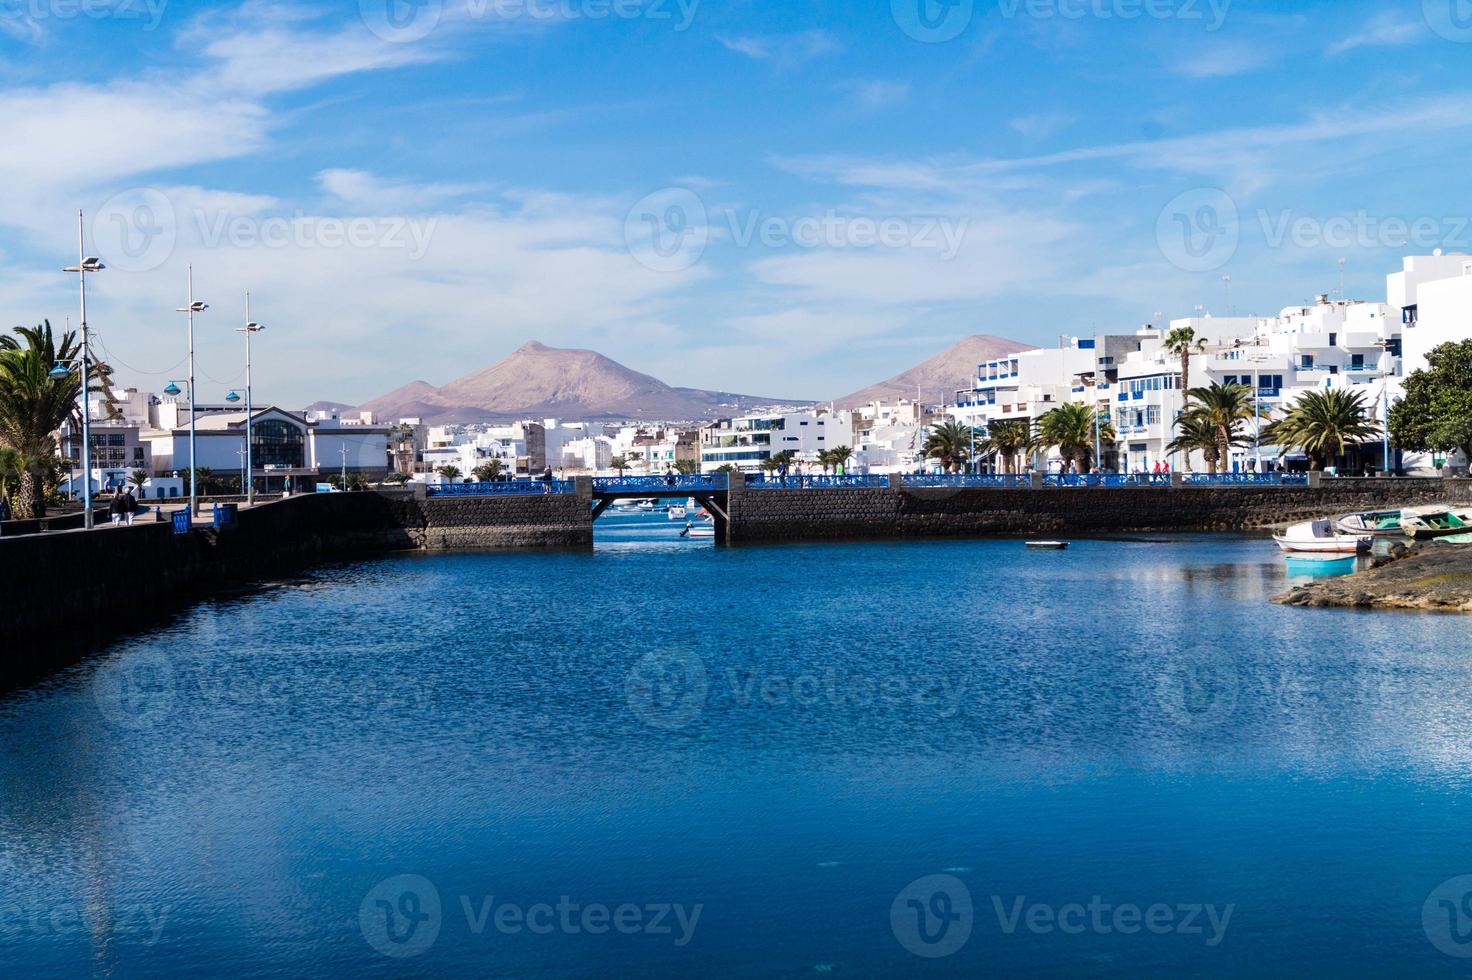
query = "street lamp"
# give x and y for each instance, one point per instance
(85, 264)
(193, 307)
(250, 478)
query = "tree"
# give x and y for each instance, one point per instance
(1070, 427)
(1183, 342)
(1436, 413)
(1224, 408)
(1195, 434)
(687, 466)
(489, 471)
(204, 479)
(357, 481)
(137, 478)
(770, 465)
(34, 406)
(726, 468)
(839, 456)
(949, 442)
(1008, 438)
(449, 472)
(1323, 424)
(620, 463)
(397, 479)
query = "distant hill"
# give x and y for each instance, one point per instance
(537, 381)
(939, 378)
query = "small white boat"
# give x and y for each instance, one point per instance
(702, 529)
(1310, 564)
(1375, 523)
(1321, 536)
(1048, 545)
(677, 512)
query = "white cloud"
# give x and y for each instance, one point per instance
(875, 94)
(784, 50)
(1386, 30)
(1041, 125)
(364, 190)
(1223, 60)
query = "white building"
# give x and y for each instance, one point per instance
(750, 440)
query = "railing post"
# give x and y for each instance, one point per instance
(1315, 478)
(421, 490)
(583, 487)
(1037, 480)
(736, 480)
(896, 481)
(1177, 479)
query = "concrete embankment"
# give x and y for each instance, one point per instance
(788, 515)
(1432, 577)
(66, 590)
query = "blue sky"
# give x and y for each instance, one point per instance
(792, 198)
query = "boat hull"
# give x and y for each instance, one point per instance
(1320, 546)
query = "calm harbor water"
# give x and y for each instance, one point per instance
(666, 759)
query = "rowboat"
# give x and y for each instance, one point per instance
(1321, 536)
(700, 529)
(1309, 564)
(1376, 523)
(1437, 524)
(1048, 545)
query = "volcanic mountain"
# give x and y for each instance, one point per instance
(538, 381)
(938, 379)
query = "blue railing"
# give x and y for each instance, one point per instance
(1105, 480)
(500, 488)
(816, 482)
(1246, 479)
(969, 480)
(650, 486)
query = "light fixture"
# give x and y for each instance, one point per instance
(172, 389)
(59, 372)
(232, 397)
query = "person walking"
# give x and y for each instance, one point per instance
(4, 508)
(116, 508)
(130, 506)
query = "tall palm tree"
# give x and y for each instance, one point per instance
(1070, 427)
(449, 472)
(1224, 408)
(1183, 342)
(950, 443)
(686, 466)
(1323, 424)
(1196, 434)
(489, 471)
(620, 463)
(1008, 438)
(34, 406)
(839, 456)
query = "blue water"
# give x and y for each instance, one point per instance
(667, 759)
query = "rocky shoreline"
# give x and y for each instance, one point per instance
(1434, 577)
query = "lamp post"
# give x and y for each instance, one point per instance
(250, 477)
(193, 307)
(343, 452)
(85, 264)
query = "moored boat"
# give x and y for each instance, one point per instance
(1437, 524)
(1311, 564)
(1048, 545)
(676, 512)
(1376, 523)
(1321, 536)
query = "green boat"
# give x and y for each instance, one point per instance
(1375, 524)
(1437, 524)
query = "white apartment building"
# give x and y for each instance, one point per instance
(750, 440)
(889, 437)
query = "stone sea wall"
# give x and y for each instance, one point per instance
(786, 515)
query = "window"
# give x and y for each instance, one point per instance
(1357, 362)
(1306, 362)
(277, 443)
(1333, 340)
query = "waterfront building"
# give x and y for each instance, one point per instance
(750, 440)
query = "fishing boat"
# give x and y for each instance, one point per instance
(699, 529)
(677, 512)
(1321, 536)
(1311, 564)
(1375, 523)
(1437, 524)
(1048, 545)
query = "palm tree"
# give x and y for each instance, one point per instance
(1008, 438)
(1183, 342)
(687, 466)
(137, 478)
(1323, 424)
(34, 406)
(620, 463)
(1071, 427)
(1224, 408)
(837, 457)
(949, 442)
(489, 471)
(449, 472)
(1196, 434)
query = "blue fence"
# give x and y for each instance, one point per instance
(816, 482)
(650, 486)
(1247, 479)
(968, 480)
(502, 488)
